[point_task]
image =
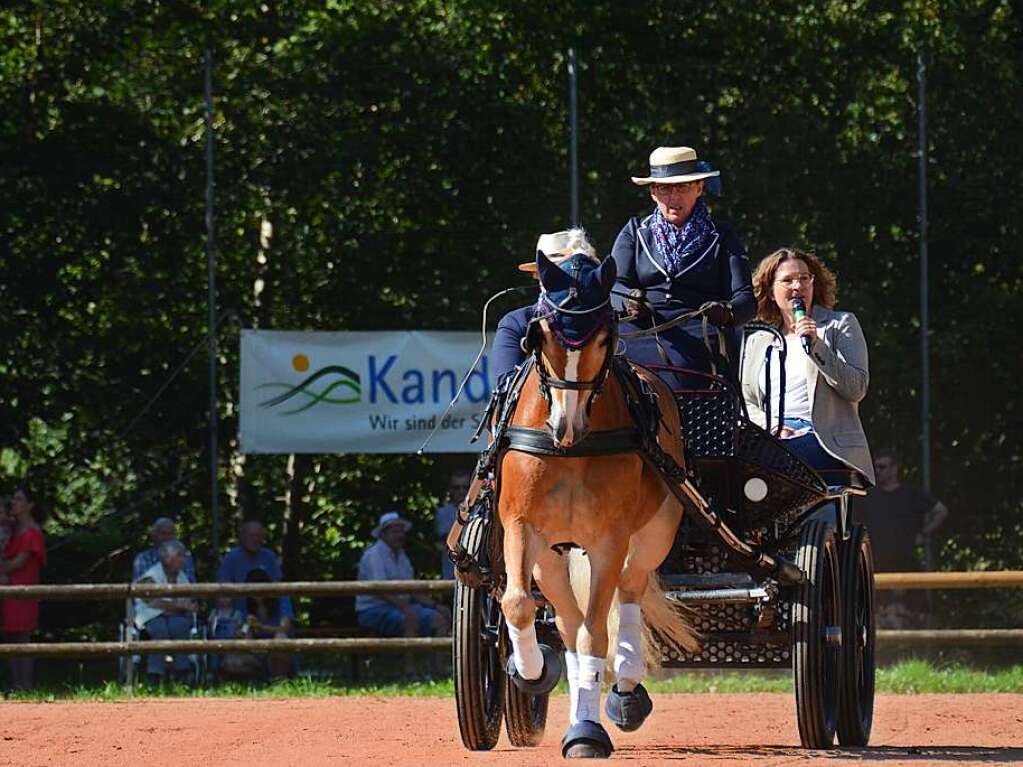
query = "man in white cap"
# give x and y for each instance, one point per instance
(396, 615)
(507, 352)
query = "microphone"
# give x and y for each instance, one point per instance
(799, 311)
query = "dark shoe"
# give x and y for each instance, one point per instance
(586, 740)
(628, 710)
(549, 676)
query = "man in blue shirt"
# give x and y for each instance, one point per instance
(250, 554)
(162, 530)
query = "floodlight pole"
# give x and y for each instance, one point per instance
(925, 356)
(925, 361)
(573, 102)
(211, 301)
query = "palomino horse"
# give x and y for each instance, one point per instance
(611, 504)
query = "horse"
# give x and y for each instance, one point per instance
(614, 506)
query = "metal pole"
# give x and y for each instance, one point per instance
(925, 362)
(573, 101)
(211, 300)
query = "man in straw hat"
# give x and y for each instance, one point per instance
(394, 615)
(677, 259)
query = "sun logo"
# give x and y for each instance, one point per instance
(300, 362)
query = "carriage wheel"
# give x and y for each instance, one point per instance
(525, 715)
(856, 703)
(479, 674)
(816, 636)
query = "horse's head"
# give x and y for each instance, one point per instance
(574, 338)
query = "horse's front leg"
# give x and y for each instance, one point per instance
(551, 574)
(586, 737)
(536, 668)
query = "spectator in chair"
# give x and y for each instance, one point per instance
(163, 529)
(394, 615)
(251, 554)
(167, 618)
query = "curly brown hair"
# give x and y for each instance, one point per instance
(825, 284)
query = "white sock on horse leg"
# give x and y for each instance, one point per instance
(629, 664)
(590, 675)
(526, 651)
(572, 673)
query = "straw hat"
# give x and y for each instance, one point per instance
(675, 165)
(558, 246)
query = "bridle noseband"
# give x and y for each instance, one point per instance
(546, 379)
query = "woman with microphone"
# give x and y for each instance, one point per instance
(825, 365)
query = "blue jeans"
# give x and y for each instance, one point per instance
(809, 449)
(388, 620)
(173, 626)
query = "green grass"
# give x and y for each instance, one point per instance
(906, 677)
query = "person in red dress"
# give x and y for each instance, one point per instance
(24, 558)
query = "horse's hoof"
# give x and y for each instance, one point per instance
(628, 710)
(586, 740)
(549, 676)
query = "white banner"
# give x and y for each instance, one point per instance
(359, 392)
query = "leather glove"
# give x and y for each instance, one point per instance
(636, 306)
(718, 313)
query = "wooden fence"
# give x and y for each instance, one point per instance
(131, 591)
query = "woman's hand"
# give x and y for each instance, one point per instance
(806, 328)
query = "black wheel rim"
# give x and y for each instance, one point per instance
(864, 639)
(490, 628)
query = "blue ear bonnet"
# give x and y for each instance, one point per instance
(575, 297)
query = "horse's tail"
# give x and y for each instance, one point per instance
(663, 622)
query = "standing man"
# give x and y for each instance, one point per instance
(458, 486)
(899, 517)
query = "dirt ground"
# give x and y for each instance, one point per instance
(700, 729)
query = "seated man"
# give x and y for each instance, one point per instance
(164, 618)
(393, 615)
(163, 529)
(251, 554)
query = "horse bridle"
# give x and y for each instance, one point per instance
(547, 380)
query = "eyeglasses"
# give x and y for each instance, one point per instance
(882, 465)
(670, 190)
(788, 282)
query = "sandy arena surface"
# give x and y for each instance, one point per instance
(699, 729)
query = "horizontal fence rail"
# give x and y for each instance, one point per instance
(128, 591)
(981, 579)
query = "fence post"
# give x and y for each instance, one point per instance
(129, 668)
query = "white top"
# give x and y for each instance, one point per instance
(144, 612)
(797, 395)
(380, 563)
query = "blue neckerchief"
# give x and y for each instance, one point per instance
(677, 244)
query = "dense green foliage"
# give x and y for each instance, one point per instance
(385, 164)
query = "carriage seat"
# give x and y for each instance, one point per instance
(843, 479)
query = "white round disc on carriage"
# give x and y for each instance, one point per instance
(755, 489)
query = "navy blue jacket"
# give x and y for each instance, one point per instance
(506, 353)
(720, 273)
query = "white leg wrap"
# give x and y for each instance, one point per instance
(591, 674)
(572, 672)
(629, 665)
(526, 651)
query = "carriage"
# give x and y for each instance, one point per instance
(759, 503)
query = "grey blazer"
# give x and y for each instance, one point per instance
(836, 377)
